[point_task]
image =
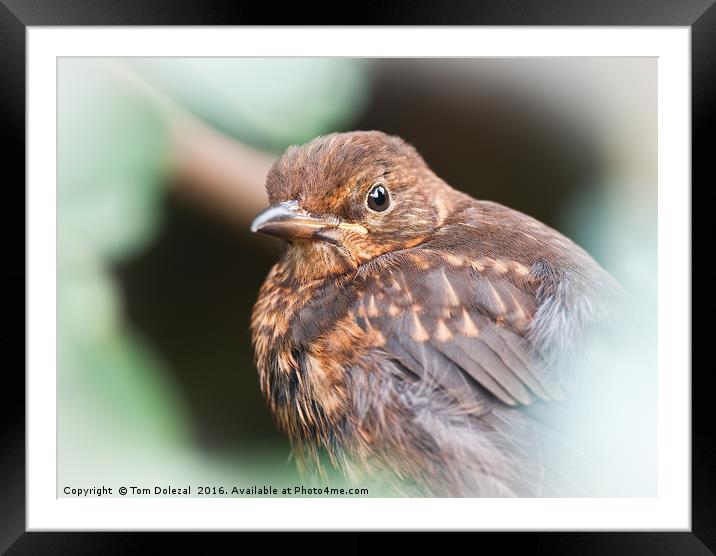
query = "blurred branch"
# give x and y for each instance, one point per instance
(219, 172)
(210, 168)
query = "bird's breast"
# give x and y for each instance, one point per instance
(305, 339)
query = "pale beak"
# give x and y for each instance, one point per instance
(288, 221)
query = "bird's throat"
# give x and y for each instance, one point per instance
(313, 260)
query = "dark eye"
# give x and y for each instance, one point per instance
(378, 198)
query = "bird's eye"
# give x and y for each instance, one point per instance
(378, 198)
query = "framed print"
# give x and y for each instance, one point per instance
(425, 275)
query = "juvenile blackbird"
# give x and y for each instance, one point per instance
(412, 332)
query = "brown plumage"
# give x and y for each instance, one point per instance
(413, 332)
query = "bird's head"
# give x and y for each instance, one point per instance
(346, 198)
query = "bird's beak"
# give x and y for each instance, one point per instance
(288, 221)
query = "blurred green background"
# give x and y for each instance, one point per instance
(160, 171)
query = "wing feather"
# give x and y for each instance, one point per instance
(460, 328)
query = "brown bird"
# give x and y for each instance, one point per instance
(414, 333)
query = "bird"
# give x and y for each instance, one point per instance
(413, 334)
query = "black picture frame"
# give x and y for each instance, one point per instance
(17, 15)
